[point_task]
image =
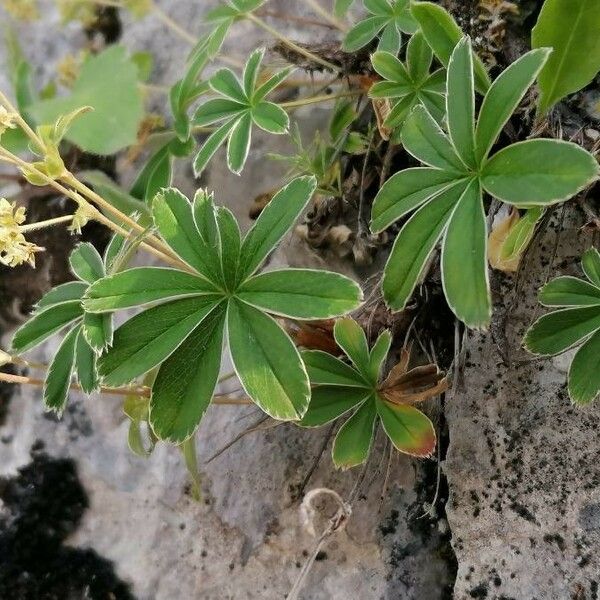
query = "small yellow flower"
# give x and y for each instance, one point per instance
(10, 215)
(7, 120)
(15, 250)
(80, 219)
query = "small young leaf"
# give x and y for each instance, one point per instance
(58, 378)
(569, 291)
(139, 286)
(379, 353)
(186, 381)
(302, 293)
(584, 373)
(353, 441)
(539, 172)
(572, 29)
(98, 331)
(351, 338)
(560, 330)
(408, 428)
(329, 403)
(267, 363)
(325, 369)
(418, 57)
(150, 337)
(86, 263)
(464, 260)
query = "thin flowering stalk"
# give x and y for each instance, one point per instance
(44, 224)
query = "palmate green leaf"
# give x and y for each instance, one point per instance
(414, 245)
(442, 34)
(227, 84)
(86, 263)
(560, 330)
(325, 369)
(238, 146)
(140, 286)
(379, 353)
(539, 172)
(274, 222)
(301, 293)
(590, 263)
(230, 244)
(267, 363)
(569, 291)
(113, 124)
(572, 29)
(46, 323)
(271, 118)
(186, 381)
(97, 331)
(351, 338)
(328, 403)
(156, 174)
(152, 336)
(218, 109)
(406, 191)
(58, 378)
(363, 33)
(212, 144)
(419, 57)
(353, 441)
(584, 373)
(73, 290)
(464, 260)
(407, 427)
(504, 96)
(341, 7)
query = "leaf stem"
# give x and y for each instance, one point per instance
(293, 45)
(44, 224)
(317, 99)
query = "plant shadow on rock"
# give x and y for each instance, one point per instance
(43, 505)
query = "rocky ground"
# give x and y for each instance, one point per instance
(515, 486)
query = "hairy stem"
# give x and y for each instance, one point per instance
(44, 224)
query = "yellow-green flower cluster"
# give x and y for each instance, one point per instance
(14, 248)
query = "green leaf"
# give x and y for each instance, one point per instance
(378, 7)
(325, 369)
(271, 118)
(418, 57)
(590, 263)
(186, 381)
(572, 29)
(328, 403)
(363, 33)
(391, 68)
(560, 330)
(584, 373)
(156, 174)
(464, 260)
(66, 292)
(85, 362)
(251, 71)
(390, 40)
(267, 363)
(113, 124)
(230, 246)
(239, 144)
(504, 96)
(46, 323)
(442, 34)
(58, 378)
(142, 285)
(351, 338)
(217, 109)
(460, 102)
(414, 245)
(401, 109)
(274, 222)
(379, 353)
(424, 139)
(408, 428)
(302, 293)
(211, 145)
(174, 220)
(569, 291)
(268, 86)
(86, 263)
(405, 191)
(227, 84)
(205, 217)
(152, 336)
(341, 7)
(98, 331)
(539, 172)
(353, 441)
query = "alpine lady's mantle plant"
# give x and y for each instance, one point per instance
(209, 294)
